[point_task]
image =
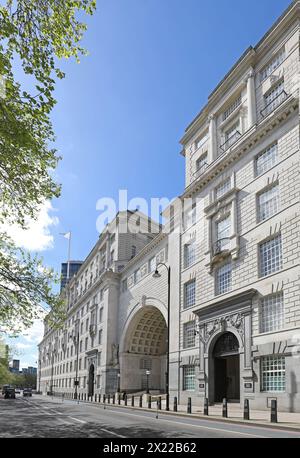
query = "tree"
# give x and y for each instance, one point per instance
(39, 33)
(5, 376)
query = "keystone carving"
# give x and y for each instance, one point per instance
(222, 324)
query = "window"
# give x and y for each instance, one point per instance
(270, 256)
(189, 334)
(137, 276)
(86, 325)
(223, 188)
(190, 216)
(190, 294)
(84, 381)
(201, 163)
(146, 364)
(152, 264)
(272, 65)
(272, 98)
(100, 337)
(201, 140)
(268, 203)
(80, 346)
(101, 294)
(266, 160)
(189, 254)
(98, 381)
(99, 359)
(86, 343)
(189, 378)
(79, 368)
(124, 285)
(101, 315)
(232, 107)
(272, 313)
(223, 233)
(133, 251)
(84, 363)
(231, 136)
(224, 274)
(273, 374)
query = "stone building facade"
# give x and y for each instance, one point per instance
(233, 248)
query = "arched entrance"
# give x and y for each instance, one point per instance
(143, 348)
(91, 380)
(226, 360)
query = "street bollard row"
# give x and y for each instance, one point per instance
(116, 399)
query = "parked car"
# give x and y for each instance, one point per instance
(27, 392)
(4, 388)
(17, 391)
(9, 393)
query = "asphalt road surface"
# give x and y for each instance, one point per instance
(41, 417)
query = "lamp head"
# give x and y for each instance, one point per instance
(156, 274)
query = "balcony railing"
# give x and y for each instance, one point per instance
(230, 141)
(221, 246)
(201, 169)
(274, 103)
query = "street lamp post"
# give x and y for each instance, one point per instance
(157, 275)
(75, 338)
(52, 372)
(147, 374)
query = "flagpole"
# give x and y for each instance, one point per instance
(69, 256)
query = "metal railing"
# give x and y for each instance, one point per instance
(221, 246)
(230, 141)
(271, 106)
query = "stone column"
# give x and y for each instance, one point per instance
(212, 138)
(251, 98)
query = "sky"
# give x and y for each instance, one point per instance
(122, 111)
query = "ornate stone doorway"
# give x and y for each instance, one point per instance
(226, 368)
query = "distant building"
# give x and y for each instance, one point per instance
(15, 368)
(74, 266)
(29, 370)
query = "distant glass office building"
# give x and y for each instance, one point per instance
(74, 267)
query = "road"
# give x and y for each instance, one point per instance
(41, 417)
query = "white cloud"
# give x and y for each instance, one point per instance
(37, 237)
(34, 334)
(22, 346)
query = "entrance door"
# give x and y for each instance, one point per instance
(226, 368)
(91, 380)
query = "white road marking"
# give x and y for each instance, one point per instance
(194, 426)
(77, 419)
(110, 432)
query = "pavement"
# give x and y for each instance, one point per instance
(46, 417)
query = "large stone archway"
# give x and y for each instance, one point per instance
(143, 348)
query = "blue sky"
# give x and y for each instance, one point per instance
(122, 111)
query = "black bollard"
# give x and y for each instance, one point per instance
(108, 398)
(224, 410)
(274, 418)
(167, 402)
(159, 403)
(132, 401)
(206, 406)
(85, 396)
(119, 399)
(104, 399)
(125, 400)
(99, 399)
(246, 410)
(189, 405)
(141, 401)
(149, 401)
(175, 404)
(114, 399)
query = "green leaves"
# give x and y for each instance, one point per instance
(38, 33)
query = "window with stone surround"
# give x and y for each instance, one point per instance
(152, 264)
(189, 337)
(189, 254)
(273, 374)
(274, 63)
(223, 231)
(268, 202)
(266, 159)
(201, 140)
(100, 332)
(232, 107)
(201, 163)
(189, 378)
(272, 313)
(223, 188)
(189, 294)
(224, 278)
(270, 253)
